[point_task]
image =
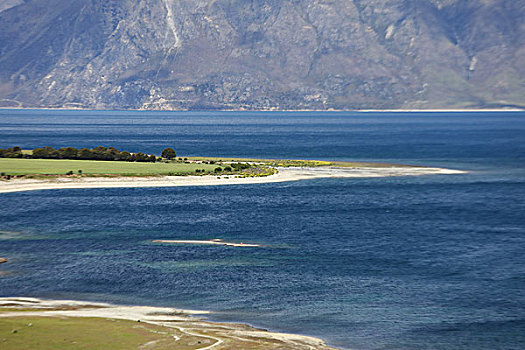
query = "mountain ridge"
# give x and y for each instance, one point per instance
(262, 55)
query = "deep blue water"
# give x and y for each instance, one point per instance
(431, 262)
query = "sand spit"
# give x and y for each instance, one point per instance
(284, 174)
(210, 242)
(219, 335)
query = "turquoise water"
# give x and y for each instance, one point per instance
(431, 262)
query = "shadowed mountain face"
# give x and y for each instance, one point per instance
(264, 54)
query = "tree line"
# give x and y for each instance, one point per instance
(97, 153)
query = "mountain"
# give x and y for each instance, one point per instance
(262, 55)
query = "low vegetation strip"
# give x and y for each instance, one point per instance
(16, 166)
(104, 161)
(301, 163)
(97, 153)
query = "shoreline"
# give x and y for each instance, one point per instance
(221, 335)
(401, 110)
(284, 175)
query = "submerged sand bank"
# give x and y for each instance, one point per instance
(284, 174)
(180, 324)
(208, 242)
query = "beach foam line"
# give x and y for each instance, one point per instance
(207, 242)
(284, 175)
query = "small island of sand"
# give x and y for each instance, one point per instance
(207, 242)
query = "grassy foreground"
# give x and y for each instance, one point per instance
(32, 324)
(90, 333)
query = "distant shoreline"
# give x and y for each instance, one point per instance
(284, 175)
(411, 110)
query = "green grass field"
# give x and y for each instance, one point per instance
(89, 333)
(16, 166)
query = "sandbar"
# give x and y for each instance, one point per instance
(178, 323)
(283, 175)
(207, 242)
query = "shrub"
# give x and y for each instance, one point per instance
(141, 157)
(67, 153)
(218, 169)
(125, 155)
(240, 166)
(168, 153)
(15, 152)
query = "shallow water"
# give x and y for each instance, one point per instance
(430, 262)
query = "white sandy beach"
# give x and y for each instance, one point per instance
(284, 174)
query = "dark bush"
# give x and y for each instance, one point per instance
(240, 166)
(67, 153)
(126, 156)
(15, 152)
(168, 153)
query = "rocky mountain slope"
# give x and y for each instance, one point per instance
(262, 54)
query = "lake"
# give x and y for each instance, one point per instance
(429, 262)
